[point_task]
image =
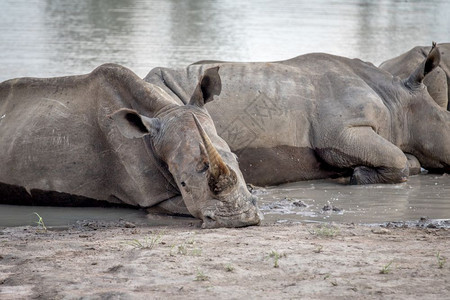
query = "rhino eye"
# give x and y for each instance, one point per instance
(183, 184)
(203, 167)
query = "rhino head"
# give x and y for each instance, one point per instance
(184, 139)
(437, 82)
(428, 123)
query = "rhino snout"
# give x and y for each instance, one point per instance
(215, 218)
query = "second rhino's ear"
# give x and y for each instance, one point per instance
(133, 125)
(429, 64)
(208, 86)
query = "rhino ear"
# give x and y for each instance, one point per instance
(429, 64)
(433, 59)
(208, 86)
(133, 125)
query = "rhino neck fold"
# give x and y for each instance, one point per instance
(161, 165)
(175, 82)
(396, 129)
(399, 127)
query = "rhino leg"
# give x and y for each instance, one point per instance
(413, 164)
(368, 175)
(373, 158)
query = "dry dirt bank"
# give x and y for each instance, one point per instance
(289, 261)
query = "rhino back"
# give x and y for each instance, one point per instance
(55, 136)
(257, 99)
(301, 100)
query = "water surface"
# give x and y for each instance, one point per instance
(422, 196)
(60, 37)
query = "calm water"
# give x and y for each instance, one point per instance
(54, 38)
(327, 200)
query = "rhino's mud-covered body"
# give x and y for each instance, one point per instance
(56, 136)
(110, 136)
(437, 82)
(318, 116)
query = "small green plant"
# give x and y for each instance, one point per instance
(229, 268)
(333, 282)
(136, 244)
(196, 252)
(276, 256)
(201, 276)
(182, 249)
(441, 260)
(171, 253)
(318, 249)
(386, 269)
(147, 243)
(40, 222)
(191, 241)
(186, 249)
(325, 231)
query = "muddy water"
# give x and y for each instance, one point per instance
(60, 37)
(423, 196)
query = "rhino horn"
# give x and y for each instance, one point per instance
(429, 64)
(216, 164)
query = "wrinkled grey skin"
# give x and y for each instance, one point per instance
(320, 116)
(111, 136)
(437, 82)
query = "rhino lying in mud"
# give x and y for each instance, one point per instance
(110, 136)
(437, 82)
(319, 116)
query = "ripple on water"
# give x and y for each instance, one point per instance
(423, 195)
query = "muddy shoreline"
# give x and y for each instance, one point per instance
(119, 260)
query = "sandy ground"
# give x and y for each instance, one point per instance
(277, 261)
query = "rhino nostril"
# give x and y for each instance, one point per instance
(209, 222)
(208, 218)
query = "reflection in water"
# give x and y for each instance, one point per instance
(57, 37)
(60, 37)
(11, 215)
(385, 27)
(82, 33)
(63, 217)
